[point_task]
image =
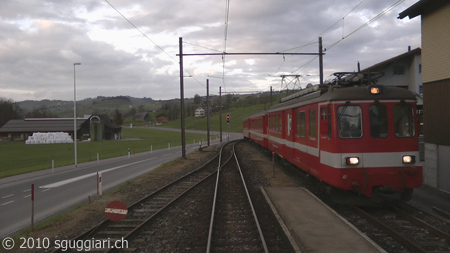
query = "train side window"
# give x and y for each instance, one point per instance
(270, 123)
(323, 122)
(297, 124)
(404, 120)
(330, 132)
(280, 123)
(349, 121)
(272, 127)
(378, 121)
(312, 123)
(323, 113)
(289, 124)
(302, 124)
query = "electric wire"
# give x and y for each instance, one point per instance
(154, 43)
(314, 40)
(368, 22)
(379, 15)
(227, 14)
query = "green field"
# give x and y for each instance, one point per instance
(236, 116)
(17, 157)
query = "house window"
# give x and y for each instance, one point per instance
(399, 70)
(420, 69)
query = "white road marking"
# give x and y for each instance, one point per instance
(27, 190)
(7, 203)
(27, 196)
(48, 189)
(7, 196)
(71, 180)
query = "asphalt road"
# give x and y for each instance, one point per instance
(65, 187)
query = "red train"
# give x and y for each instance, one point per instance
(360, 138)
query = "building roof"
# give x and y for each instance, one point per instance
(49, 125)
(141, 114)
(41, 125)
(393, 60)
(421, 7)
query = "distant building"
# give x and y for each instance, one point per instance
(436, 88)
(143, 116)
(162, 118)
(20, 130)
(404, 70)
(199, 112)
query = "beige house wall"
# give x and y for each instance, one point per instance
(435, 47)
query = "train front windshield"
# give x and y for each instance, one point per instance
(349, 119)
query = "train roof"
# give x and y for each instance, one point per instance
(320, 93)
(259, 114)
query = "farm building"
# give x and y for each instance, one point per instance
(143, 116)
(20, 130)
(162, 118)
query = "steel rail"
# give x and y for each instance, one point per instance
(211, 223)
(422, 224)
(251, 204)
(139, 226)
(408, 243)
(208, 249)
(104, 222)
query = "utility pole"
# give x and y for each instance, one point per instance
(220, 102)
(220, 115)
(207, 111)
(271, 96)
(183, 134)
(320, 60)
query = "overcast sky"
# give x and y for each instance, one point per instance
(41, 39)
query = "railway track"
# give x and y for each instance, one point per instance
(234, 225)
(147, 209)
(410, 231)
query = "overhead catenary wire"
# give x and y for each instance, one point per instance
(314, 41)
(379, 15)
(154, 43)
(227, 15)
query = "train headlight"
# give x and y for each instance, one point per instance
(408, 159)
(352, 160)
(374, 90)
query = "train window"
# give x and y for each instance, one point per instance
(272, 123)
(330, 132)
(289, 124)
(297, 124)
(323, 114)
(378, 121)
(302, 124)
(349, 121)
(280, 124)
(404, 120)
(312, 123)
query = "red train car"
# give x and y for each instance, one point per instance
(362, 139)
